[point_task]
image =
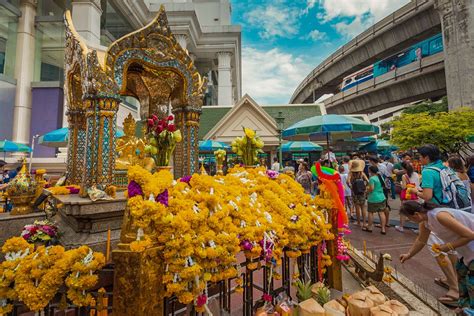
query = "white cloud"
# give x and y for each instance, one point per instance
(271, 76)
(364, 13)
(276, 20)
(309, 5)
(316, 35)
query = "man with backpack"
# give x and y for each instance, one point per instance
(440, 185)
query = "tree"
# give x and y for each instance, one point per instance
(429, 107)
(447, 130)
(385, 130)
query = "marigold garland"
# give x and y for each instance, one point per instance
(34, 277)
(208, 220)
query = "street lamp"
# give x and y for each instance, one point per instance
(32, 149)
(280, 120)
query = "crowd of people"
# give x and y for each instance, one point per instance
(436, 194)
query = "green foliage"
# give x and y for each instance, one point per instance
(447, 130)
(428, 107)
(385, 129)
(303, 290)
(323, 295)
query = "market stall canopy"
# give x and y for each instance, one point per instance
(9, 146)
(211, 145)
(333, 126)
(59, 137)
(300, 146)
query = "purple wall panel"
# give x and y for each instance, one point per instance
(46, 116)
(7, 102)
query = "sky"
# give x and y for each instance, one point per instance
(283, 40)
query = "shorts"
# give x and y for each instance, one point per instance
(376, 207)
(359, 200)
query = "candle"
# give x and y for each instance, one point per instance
(365, 248)
(107, 256)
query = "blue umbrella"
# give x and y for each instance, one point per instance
(211, 145)
(9, 146)
(59, 137)
(300, 146)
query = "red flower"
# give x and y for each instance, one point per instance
(201, 300)
(154, 118)
(267, 297)
(170, 118)
(171, 128)
(150, 122)
(159, 129)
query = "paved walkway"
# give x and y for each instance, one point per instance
(421, 269)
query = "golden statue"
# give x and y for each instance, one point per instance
(131, 149)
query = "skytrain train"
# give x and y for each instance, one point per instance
(428, 47)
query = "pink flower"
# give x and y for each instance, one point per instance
(170, 118)
(154, 118)
(158, 129)
(150, 123)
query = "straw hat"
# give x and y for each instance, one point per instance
(357, 165)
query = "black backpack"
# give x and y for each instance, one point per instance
(358, 186)
(384, 186)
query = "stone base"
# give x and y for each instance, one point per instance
(12, 225)
(85, 222)
(138, 288)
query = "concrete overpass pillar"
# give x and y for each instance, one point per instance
(457, 20)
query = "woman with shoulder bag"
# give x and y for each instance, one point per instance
(410, 183)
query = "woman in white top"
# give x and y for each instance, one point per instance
(409, 179)
(456, 229)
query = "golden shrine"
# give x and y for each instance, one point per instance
(147, 64)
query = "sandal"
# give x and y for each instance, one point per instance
(449, 300)
(365, 229)
(441, 283)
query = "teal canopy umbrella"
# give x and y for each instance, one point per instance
(9, 146)
(300, 146)
(329, 126)
(211, 145)
(379, 145)
(59, 137)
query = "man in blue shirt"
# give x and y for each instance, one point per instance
(430, 178)
(432, 190)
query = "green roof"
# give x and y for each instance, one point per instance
(211, 116)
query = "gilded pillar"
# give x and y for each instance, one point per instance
(138, 286)
(179, 156)
(187, 151)
(76, 145)
(100, 141)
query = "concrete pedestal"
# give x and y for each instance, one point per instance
(84, 222)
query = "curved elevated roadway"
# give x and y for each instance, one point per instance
(410, 24)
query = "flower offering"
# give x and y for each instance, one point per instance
(248, 147)
(205, 221)
(162, 138)
(41, 231)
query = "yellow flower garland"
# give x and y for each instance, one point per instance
(202, 227)
(34, 277)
